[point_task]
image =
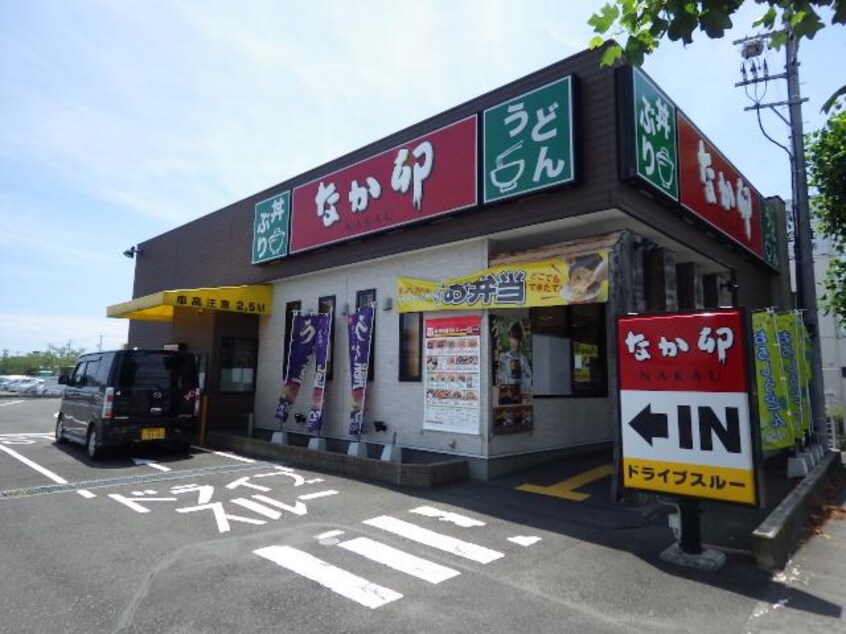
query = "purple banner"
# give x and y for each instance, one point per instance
(360, 331)
(322, 347)
(303, 333)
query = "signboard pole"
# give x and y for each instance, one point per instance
(690, 527)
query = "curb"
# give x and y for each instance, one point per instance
(777, 537)
(411, 475)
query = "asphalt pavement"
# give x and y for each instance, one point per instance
(150, 542)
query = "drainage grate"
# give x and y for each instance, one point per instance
(108, 482)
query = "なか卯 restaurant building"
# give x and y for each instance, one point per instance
(457, 283)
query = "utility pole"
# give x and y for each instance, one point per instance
(803, 245)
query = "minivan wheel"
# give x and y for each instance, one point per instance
(60, 430)
(92, 446)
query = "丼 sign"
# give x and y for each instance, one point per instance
(685, 418)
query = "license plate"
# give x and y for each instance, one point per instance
(153, 433)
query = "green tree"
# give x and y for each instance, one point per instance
(826, 161)
(55, 358)
(641, 24)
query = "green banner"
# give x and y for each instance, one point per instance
(528, 142)
(655, 136)
(804, 359)
(773, 402)
(787, 344)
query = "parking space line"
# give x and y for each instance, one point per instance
(566, 489)
(86, 494)
(150, 463)
(29, 463)
(225, 454)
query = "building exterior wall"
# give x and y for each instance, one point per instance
(682, 259)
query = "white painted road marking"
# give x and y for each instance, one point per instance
(524, 540)
(335, 579)
(424, 536)
(329, 535)
(447, 516)
(261, 509)
(4, 404)
(319, 494)
(225, 454)
(29, 463)
(86, 494)
(150, 463)
(399, 560)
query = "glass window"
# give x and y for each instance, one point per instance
(327, 305)
(362, 298)
(410, 346)
(91, 372)
(290, 309)
(160, 370)
(105, 365)
(78, 374)
(238, 364)
(568, 350)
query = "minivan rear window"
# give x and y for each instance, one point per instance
(162, 370)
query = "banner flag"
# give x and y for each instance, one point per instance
(303, 332)
(773, 410)
(322, 349)
(786, 333)
(804, 358)
(360, 337)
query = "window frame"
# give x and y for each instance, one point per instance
(601, 391)
(286, 340)
(402, 375)
(327, 300)
(221, 367)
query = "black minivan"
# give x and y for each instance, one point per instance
(130, 396)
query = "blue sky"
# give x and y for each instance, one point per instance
(122, 120)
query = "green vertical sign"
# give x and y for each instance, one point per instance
(528, 142)
(270, 228)
(785, 330)
(773, 406)
(770, 233)
(655, 136)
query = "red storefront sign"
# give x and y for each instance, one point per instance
(432, 175)
(714, 190)
(696, 352)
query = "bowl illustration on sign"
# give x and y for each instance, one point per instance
(277, 241)
(505, 175)
(666, 167)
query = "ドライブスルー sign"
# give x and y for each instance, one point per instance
(684, 405)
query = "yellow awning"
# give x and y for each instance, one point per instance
(255, 299)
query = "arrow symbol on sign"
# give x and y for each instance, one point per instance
(650, 425)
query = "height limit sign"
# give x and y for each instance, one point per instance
(684, 405)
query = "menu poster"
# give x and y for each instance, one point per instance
(452, 375)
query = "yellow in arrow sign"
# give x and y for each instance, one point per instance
(566, 489)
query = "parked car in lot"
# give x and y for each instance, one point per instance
(130, 396)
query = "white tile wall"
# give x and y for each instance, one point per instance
(558, 422)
